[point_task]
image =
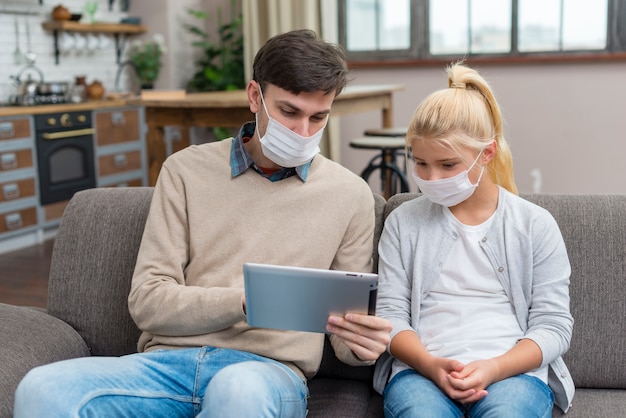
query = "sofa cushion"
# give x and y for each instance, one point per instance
(92, 266)
(31, 338)
(596, 403)
(594, 230)
(336, 397)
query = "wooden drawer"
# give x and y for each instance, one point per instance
(13, 160)
(19, 189)
(54, 211)
(13, 129)
(116, 127)
(18, 219)
(119, 163)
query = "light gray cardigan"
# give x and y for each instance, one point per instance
(525, 247)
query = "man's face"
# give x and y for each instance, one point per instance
(304, 113)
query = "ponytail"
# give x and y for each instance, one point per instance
(466, 115)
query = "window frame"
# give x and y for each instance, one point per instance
(418, 53)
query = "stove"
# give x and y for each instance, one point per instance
(37, 100)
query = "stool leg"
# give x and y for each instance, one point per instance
(391, 176)
(385, 173)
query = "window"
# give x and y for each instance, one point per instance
(429, 29)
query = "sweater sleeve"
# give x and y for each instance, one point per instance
(159, 301)
(395, 283)
(354, 254)
(550, 322)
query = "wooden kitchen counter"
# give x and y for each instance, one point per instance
(230, 109)
(60, 108)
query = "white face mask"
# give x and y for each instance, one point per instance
(452, 190)
(284, 146)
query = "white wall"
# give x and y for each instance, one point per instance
(567, 120)
(99, 64)
(165, 17)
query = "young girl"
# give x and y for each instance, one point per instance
(474, 279)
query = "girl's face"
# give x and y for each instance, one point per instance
(434, 162)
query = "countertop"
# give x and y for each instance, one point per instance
(239, 98)
(64, 107)
(216, 99)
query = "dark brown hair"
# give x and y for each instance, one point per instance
(299, 61)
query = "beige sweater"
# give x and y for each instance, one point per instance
(204, 224)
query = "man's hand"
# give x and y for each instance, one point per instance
(366, 335)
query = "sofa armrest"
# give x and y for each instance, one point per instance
(31, 338)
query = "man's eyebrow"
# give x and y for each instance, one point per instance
(295, 108)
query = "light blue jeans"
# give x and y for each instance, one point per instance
(203, 382)
(409, 394)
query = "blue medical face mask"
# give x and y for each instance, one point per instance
(284, 146)
(452, 190)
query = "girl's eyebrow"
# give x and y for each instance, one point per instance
(442, 160)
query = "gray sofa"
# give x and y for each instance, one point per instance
(94, 256)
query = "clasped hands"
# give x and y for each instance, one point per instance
(464, 383)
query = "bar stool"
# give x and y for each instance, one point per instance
(390, 142)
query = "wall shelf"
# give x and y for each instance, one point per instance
(119, 30)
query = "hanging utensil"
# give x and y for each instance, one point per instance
(30, 55)
(17, 54)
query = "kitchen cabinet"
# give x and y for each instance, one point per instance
(120, 147)
(121, 32)
(18, 177)
(119, 158)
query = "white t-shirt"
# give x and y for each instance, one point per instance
(467, 315)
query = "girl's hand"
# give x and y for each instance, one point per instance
(441, 371)
(475, 376)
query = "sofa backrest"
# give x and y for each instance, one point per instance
(92, 265)
(594, 231)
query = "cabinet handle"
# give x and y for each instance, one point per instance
(117, 119)
(50, 136)
(120, 161)
(7, 130)
(8, 161)
(13, 221)
(11, 191)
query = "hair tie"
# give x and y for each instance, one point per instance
(458, 85)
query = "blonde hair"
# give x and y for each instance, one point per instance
(465, 115)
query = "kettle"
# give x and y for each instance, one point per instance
(29, 86)
(95, 90)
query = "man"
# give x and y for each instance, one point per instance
(265, 196)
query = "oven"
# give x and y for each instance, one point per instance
(65, 155)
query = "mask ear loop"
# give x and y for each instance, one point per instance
(263, 100)
(406, 156)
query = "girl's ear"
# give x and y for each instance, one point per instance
(489, 152)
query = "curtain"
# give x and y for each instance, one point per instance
(263, 19)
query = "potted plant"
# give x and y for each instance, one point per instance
(220, 66)
(146, 58)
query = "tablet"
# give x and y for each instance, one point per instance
(301, 299)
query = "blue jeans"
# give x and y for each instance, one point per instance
(409, 394)
(203, 382)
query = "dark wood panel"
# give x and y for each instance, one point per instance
(24, 275)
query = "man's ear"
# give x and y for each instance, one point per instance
(254, 98)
